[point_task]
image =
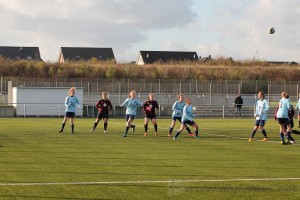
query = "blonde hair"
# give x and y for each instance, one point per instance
(71, 90)
(187, 99)
(131, 92)
(151, 94)
(180, 95)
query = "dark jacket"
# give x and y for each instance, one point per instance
(238, 101)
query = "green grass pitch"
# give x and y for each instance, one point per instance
(222, 164)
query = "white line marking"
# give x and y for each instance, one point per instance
(148, 182)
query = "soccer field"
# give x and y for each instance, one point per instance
(36, 162)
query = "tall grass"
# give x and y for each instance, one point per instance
(217, 69)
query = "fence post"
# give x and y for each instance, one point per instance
(24, 110)
(269, 88)
(297, 90)
(210, 95)
(196, 86)
(159, 86)
(180, 87)
(1, 85)
(223, 111)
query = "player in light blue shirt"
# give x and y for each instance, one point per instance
(177, 109)
(298, 107)
(187, 119)
(71, 102)
(131, 103)
(283, 118)
(261, 114)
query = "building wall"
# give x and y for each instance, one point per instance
(42, 101)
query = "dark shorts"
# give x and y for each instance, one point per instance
(150, 116)
(284, 121)
(130, 117)
(176, 118)
(188, 122)
(102, 116)
(70, 114)
(260, 122)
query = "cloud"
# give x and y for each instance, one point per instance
(101, 23)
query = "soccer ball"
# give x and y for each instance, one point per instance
(272, 30)
(194, 108)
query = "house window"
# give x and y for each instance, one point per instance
(29, 57)
(18, 58)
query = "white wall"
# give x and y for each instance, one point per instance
(43, 101)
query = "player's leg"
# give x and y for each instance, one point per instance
(146, 126)
(196, 127)
(281, 125)
(182, 127)
(172, 127)
(240, 111)
(72, 124)
(96, 122)
(63, 124)
(155, 126)
(105, 124)
(188, 129)
(299, 119)
(257, 122)
(129, 119)
(289, 137)
(263, 131)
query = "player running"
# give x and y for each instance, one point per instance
(261, 114)
(71, 102)
(298, 107)
(187, 119)
(131, 104)
(177, 114)
(283, 118)
(104, 107)
(149, 108)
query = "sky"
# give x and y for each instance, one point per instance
(228, 28)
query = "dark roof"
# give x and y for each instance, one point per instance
(79, 53)
(205, 59)
(164, 56)
(282, 63)
(20, 53)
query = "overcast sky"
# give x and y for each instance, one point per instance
(236, 28)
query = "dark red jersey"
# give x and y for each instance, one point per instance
(104, 106)
(149, 107)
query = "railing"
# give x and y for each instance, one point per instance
(89, 110)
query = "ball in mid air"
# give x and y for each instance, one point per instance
(272, 30)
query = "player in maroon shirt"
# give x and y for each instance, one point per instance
(104, 107)
(149, 108)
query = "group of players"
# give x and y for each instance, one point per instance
(183, 112)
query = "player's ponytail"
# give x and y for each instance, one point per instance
(70, 92)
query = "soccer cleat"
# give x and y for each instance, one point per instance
(145, 134)
(104, 131)
(283, 142)
(155, 134)
(133, 128)
(287, 141)
(174, 138)
(125, 135)
(265, 139)
(250, 139)
(60, 131)
(192, 134)
(169, 135)
(197, 137)
(92, 130)
(292, 142)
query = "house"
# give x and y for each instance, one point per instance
(85, 53)
(149, 57)
(282, 63)
(20, 53)
(205, 59)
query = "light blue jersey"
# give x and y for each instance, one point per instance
(284, 107)
(187, 114)
(71, 103)
(177, 109)
(131, 105)
(262, 108)
(298, 105)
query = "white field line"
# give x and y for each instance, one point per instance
(148, 182)
(217, 135)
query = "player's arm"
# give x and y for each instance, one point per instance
(144, 106)
(67, 102)
(140, 103)
(109, 106)
(298, 105)
(174, 108)
(156, 105)
(124, 103)
(267, 107)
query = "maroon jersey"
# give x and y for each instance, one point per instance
(104, 106)
(149, 107)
